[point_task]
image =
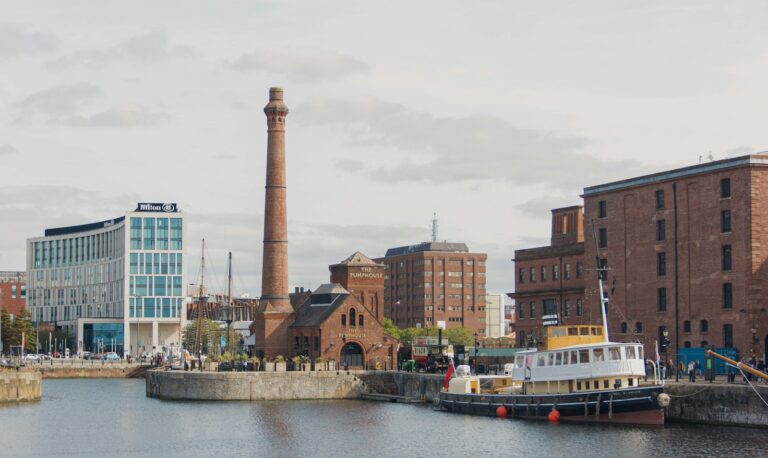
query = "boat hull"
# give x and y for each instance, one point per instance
(637, 406)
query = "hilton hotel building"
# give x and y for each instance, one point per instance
(118, 282)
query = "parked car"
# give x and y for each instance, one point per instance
(111, 356)
(32, 358)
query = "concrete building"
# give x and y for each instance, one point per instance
(686, 250)
(115, 284)
(495, 319)
(13, 292)
(550, 279)
(275, 312)
(435, 282)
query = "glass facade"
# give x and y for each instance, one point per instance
(103, 337)
(155, 266)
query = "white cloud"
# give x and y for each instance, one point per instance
(300, 64)
(151, 46)
(15, 41)
(117, 117)
(59, 100)
(7, 149)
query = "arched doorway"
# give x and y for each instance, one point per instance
(351, 355)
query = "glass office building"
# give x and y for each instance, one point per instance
(127, 273)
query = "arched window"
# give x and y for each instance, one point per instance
(352, 317)
(623, 327)
(360, 320)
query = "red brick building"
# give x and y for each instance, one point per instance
(13, 291)
(550, 279)
(687, 249)
(433, 282)
(341, 323)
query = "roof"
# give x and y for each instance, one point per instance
(329, 288)
(83, 227)
(698, 169)
(358, 259)
(550, 251)
(308, 314)
(428, 246)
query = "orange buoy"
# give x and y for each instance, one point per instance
(501, 411)
(554, 416)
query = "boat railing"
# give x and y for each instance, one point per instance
(656, 373)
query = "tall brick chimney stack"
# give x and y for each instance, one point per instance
(275, 312)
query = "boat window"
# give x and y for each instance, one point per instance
(630, 381)
(617, 383)
(573, 331)
(586, 385)
(599, 331)
(599, 354)
(614, 353)
(630, 352)
(574, 357)
(541, 361)
(578, 385)
(605, 383)
(558, 359)
(551, 359)
(519, 360)
(583, 356)
(584, 331)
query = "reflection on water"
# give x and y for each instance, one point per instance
(113, 417)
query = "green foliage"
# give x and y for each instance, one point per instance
(456, 336)
(390, 329)
(210, 337)
(279, 359)
(12, 331)
(296, 360)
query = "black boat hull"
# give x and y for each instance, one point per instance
(627, 406)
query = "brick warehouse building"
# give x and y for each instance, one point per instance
(550, 279)
(689, 240)
(432, 282)
(340, 321)
(13, 291)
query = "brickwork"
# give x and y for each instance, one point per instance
(639, 224)
(551, 276)
(363, 278)
(13, 289)
(424, 287)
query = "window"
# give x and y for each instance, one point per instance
(659, 199)
(532, 276)
(603, 238)
(725, 221)
(661, 264)
(727, 295)
(602, 209)
(567, 308)
(543, 273)
(13, 292)
(704, 326)
(360, 320)
(549, 306)
(579, 269)
(687, 344)
(662, 334)
(662, 299)
(579, 307)
(521, 312)
(661, 230)
(567, 272)
(623, 327)
(686, 326)
(533, 310)
(638, 327)
(725, 188)
(344, 320)
(555, 272)
(728, 335)
(727, 261)
(521, 276)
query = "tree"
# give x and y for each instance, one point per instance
(390, 329)
(13, 330)
(460, 336)
(211, 336)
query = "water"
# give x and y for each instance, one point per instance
(95, 417)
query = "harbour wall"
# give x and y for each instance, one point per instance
(253, 386)
(23, 385)
(717, 404)
(91, 369)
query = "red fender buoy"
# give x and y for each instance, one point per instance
(501, 412)
(554, 416)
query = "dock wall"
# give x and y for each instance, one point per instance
(17, 386)
(717, 404)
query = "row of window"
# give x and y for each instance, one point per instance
(661, 229)
(155, 307)
(148, 285)
(549, 307)
(428, 273)
(727, 335)
(360, 321)
(428, 262)
(156, 263)
(76, 250)
(544, 271)
(725, 193)
(15, 292)
(156, 233)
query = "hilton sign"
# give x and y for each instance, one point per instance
(154, 207)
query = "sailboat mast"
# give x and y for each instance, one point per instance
(200, 306)
(230, 310)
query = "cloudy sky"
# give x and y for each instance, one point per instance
(489, 113)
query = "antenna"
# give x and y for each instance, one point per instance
(434, 227)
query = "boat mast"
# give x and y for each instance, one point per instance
(230, 310)
(603, 299)
(200, 306)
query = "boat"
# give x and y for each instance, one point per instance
(577, 375)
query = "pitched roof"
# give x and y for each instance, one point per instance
(358, 259)
(308, 314)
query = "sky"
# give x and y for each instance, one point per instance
(487, 113)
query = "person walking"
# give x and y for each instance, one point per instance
(691, 372)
